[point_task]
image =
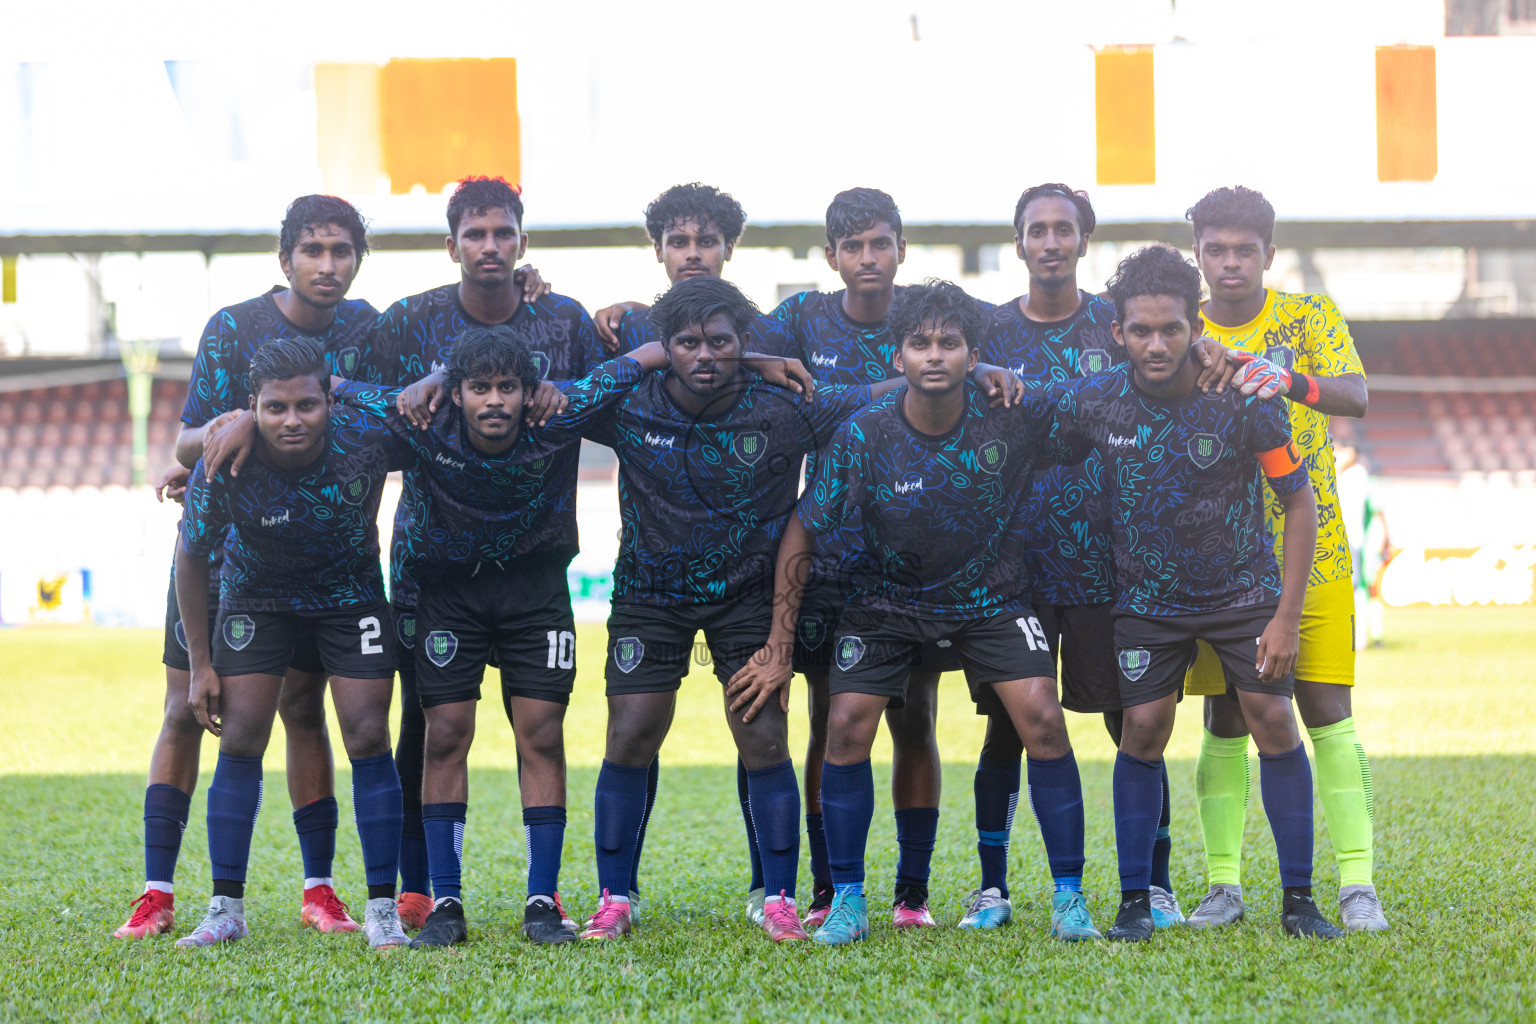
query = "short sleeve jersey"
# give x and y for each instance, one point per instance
(491, 507)
(1071, 558)
(298, 541)
(235, 333)
(703, 500)
(941, 514)
(1305, 333)
(1187, 490)
(766, 336)
(418, 333)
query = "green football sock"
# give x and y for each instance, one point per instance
(1344, 784)
(1222, 782)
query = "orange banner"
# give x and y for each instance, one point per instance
(444, 119)
(1124, 112)
(1406, 139)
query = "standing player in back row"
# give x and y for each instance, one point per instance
(845, 338)
(1301, 347)
(321, 244)
(416, 336)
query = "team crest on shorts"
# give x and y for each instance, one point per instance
(355, 490)
(812, 632)
(750, 446)
(405, 629)
(991, 456)
(238, 631)
(441, 646)
(1134, 662)
(628, 652)
(1094, 360)
(1281, 356)
(181, 635)
(540, 364)
(1205, 449)
(850, 651)
(347, 360)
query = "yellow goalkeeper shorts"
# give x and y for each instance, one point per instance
(1327, 643)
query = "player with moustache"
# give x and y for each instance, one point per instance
(321, 245)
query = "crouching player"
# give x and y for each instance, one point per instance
(939, 483)
(489, 542)
(301, 562)
(1194, 562)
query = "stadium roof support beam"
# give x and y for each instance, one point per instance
(1494, 234)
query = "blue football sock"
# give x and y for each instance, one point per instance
(415, 875)
(166, 809)
(774, 794)
(816, 839)
(544, 831)
(315, 823)
(234, 800)
(848, 804)
(1137, 803)
(1056, 796)
(376, 805)
(997, 797)
(743, 796)
(1162, 849)
(444, 828)
(652, 774)
(917, 831)
(619, 807)
(1285, 780)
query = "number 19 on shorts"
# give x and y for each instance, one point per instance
(562, 648)
(1034, 633)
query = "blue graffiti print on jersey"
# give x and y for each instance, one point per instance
(1071, 560)
(1187, 493)
(481, 507)
(941, 515)
(766, 336)
(703, 500)
(298, 541)
(418, 333)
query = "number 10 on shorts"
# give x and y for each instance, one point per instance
(562, 648)
(1034, 633)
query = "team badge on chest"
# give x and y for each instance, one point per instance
(1094, 360)
(540, 364)
(355, 490)
(1281, 356)
(750, 446)
(346, 361)
(991, 456)
(1205, 449)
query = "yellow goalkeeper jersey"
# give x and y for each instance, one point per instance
(1305, 333)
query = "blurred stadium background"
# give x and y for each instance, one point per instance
(140, 194)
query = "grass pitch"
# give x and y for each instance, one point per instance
(1447, 711)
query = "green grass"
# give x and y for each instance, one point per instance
(1447, 711)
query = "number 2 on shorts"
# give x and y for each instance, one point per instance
(371, 629)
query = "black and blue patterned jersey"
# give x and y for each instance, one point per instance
(298, 541)
(234, 333)
(1068, 544)
(766, 336)
(418, 333)
(941, 514)
(220, 381)
(703, 500)
(1187, 489)
(482, 507)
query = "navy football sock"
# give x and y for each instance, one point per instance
(743, 797)
(234, 800)
(1137, 802)
(816, 839)
(1056, 795)
(315, 823)
(544, 831)
(165, 819)
(376, 806)
(652, 774)
(997, 797)
(444, 828)
(1285, 780)
(414, 873)
(848, 804)
(1162, 849)
(774, 795)
(917, 831)
(619, 807)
